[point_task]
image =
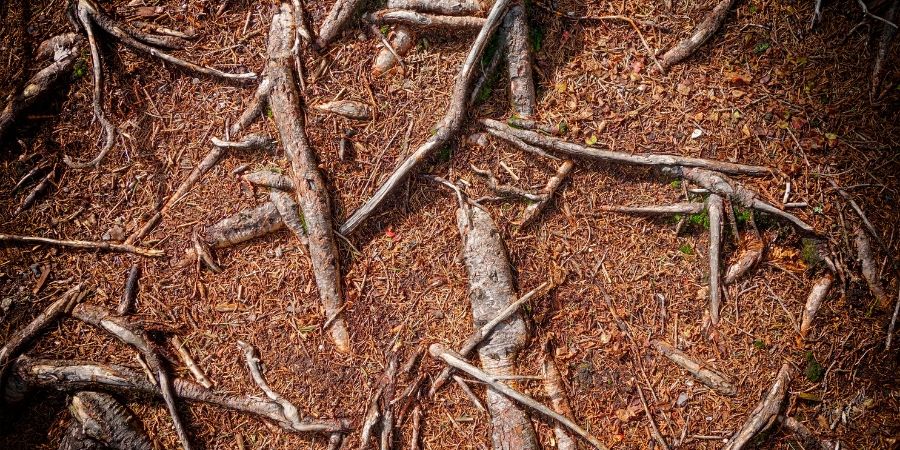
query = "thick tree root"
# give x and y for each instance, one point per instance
(503, 131)
(445, 130)
(533, 211)
(106, 246)
(491, 290)
(103, 419)
(338, 17)
(556, 391)
(715, 209)
(310, 189)
(129, 334)
(817, 295)
(766, 413)
(710, 24)
(518, 61)
(425, 21)
(73, 376)
(710, 378)
(722, 185)
(440, 352)
(64, 50)
(445, 7)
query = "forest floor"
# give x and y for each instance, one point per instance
(765, 90)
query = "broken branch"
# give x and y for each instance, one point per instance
(533, 210)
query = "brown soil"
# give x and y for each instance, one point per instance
(765, 90)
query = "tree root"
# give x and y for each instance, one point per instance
(445, 7)
(347, 108)
(36, 192)
(189, 362)
(817, 295)
(424, 21)
(69, 376)
(658, 210)
(534, 210)
(64, 50)
(106, 246)
(130, 293)
(400, 43)
(751, 253)
(888, 31)
(445, 130)
(714, 207)
(503, 131)
(807, 438)
(288, 210)
(129, 334)
(338, 17)
(505, 190)
(710, 24)
(270, 180)
(310, 189)
(869, 269)
(766, 413)
(518, 61)
(440, 352)
(710, 378)
(101, 418)
(556, 391)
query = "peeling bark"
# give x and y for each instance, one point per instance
(491, 289)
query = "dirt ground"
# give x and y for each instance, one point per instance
(766, 90)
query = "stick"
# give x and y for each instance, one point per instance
(445, 130)
(468, 391)
(654, 431)
(714, 206)
(555, 390)
(865, 220)
(765, 413)
(70, 376)
(106, 246)
(132, 288)
(100, 417)
(869, 268)
(424, 21)
(502, 131)
(675, 208)
(311, 191)
(485, 331)
(518, 61)
(188, 361)
(440, 352)
(36, 192)
(710, 24)
(710, 378)
(817, 295)
(884, 45)
(534, 210)
(126, 332)
(520, 144)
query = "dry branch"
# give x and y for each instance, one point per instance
(491, 290)
(106, 246)
(518, 61)
(64, 50)
(710, 24)
(445, 130)
(503, 130)
(807, 438)
(765, 413)
(71, 376)
(129, 334)
(421, 20)
(36, 192)
(817, 295)
(103, 419)
(556, 391)
(714, 207)
(132, 288)
(271, 180)
(310, 188)
(869, 269)
(438, 351)
(445, 7)
(720, 184)
(504, 190)
(675, 208)
(189, 362)
(710, 378)
(534, 210)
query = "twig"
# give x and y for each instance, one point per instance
(188, 361)
(654, 431)
(710, 378)
(471, 395)
(107, 246)
(288, 410)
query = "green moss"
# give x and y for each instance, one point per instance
(742, 215)
(759, 344)
(676, 184)
(80, 68)
(814, 371)
(810, 253)
(536, 38)
(686, 249)
(700, 219)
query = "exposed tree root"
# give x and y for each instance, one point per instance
(710, 24)
(440, 352)
(720, 184)
(504, 190)
(658, 210)
(424, 21)
(807, 438)
(751, 253)
(445, 7)
(36, 192)
(710, 378)
(817, 295)
(893, 324)
(534, 210)
(271, 180)
(338, 17)
(189, 362)
(401, 41)
(241, 227)
(556, 391)
(106, 246)
(386, 441)
(415, 440)
(518, 61)
(310, 189)
(885, 40)
(445, 130)
(503, 130)
(869, 269)
(64, 50)
(129, 295)
(103, 419)
(491, 290)
(255, 109)
(766, 413)
(347, 108)
(714, 207)
(469, 393)
(212, 158)
(129, 334)
(287, 209)
(71, 376)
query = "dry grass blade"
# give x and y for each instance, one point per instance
(94, 245)
(710, 378)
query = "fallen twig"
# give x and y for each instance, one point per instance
(36, 192)
(765, 413)
(341, 13)
(107, 246)
(288, 410)
(888, 30)
(504, 190)
(710, 378)
(440, 352)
